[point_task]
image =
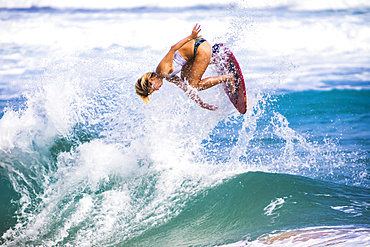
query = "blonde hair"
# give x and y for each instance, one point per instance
(143, 86)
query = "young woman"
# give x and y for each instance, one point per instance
(190, 56)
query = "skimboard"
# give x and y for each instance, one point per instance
(226, 63)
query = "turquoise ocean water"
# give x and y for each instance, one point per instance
(84, 162)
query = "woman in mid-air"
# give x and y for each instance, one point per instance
(190, 56)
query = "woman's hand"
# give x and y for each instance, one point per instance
(209, 107)
(195, 32)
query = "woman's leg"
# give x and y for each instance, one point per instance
(194, 70)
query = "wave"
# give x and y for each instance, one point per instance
(143, 211)
(113, 4)
(295, 5)
(252, 204)
(89, 170)
(125, 5)
(133, 10)
(92, 164)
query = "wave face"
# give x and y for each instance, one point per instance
(84, 162)
(256, 203)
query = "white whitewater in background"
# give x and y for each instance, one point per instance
(275, 49)
(111, 4)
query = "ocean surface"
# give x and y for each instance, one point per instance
(85, 162)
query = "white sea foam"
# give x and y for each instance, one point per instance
(108, 4)
(111, 4)
(273, 206)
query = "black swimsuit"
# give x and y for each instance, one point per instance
(197, 43)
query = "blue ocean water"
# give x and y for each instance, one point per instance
(84, 162)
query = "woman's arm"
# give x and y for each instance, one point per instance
(165, 66)
(191, 92)
(194, 34)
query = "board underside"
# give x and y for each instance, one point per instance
(226, 63)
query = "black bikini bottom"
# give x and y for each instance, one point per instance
(197, 43)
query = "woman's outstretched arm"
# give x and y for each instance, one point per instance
(165, 66)
(191, 92)
(194, 34)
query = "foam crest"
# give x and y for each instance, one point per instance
(48, 111)
(95, 161)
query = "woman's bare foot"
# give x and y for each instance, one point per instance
(230, 80)
(215, 59)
